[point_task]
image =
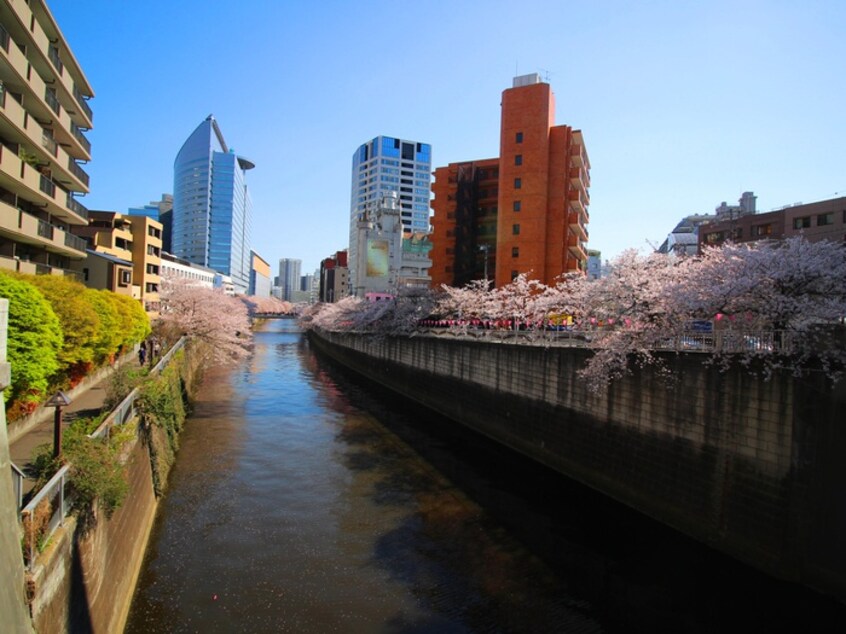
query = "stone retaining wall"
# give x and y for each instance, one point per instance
(754, 468)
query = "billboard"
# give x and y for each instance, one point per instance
(377, 258)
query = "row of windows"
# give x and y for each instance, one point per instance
(823, 220)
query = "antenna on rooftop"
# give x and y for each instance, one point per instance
(546, 73)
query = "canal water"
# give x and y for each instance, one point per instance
(305, 500)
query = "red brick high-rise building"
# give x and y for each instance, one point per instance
(524, 212)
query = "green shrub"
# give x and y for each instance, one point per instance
(34, 340)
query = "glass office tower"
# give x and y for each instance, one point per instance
(388, 164)
(211, 205)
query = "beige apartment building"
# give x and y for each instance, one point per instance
(135, 239)
(43, 118)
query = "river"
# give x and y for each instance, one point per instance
(304, 500)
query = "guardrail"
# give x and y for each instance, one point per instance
(56, 495)
(720, 341)
(56, 500)
(18, 478)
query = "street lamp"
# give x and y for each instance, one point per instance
(485, 248)
(58, 400)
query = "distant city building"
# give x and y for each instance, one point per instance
(334, 278)
(523, 212)
(211, 205)
(259, 276)
(823, 220)
(594, 264)
(378, 248)
(45, 118)
(135, 239)
(174, 267)
(388, 164)
(684, 239)
(288, 280)
(161, 211)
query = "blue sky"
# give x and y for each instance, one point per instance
(683, 104)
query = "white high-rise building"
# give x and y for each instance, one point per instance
(388, 164)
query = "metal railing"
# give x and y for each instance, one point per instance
(75, 242)
(720, 341)
(53, 54)
(45, 229)
(57, 493)
(77, 171)
(76, 207)
(80, 99)
(47, 186)
(52, 100)
(80, 136)
(18, 478)
(4, 38)
(58, 498)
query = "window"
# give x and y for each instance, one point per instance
(518, 183)
(825, 219)
(518, 159)
(516, 205)
(125, 277)
(715, 236)
(514, 275)
(802, 223)
(85, 274)
(515, 230)
(519, 137)
(762, 230)
(515, 252)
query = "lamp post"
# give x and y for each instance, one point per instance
(58, 400)
(484, 248)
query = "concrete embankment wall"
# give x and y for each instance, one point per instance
(754, 468)
(85, 578)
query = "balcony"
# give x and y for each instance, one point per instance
(79, 136)
(577, 157)
(4, 39)
(76, 207)
(577, 179)
(75, 242)
(83, 104)
(77, 171)
(49, 143)
(45, 229)
(53, 54)
(576, 247)
(52, 100)
(47, 186)
(576, 225)
(578, 203)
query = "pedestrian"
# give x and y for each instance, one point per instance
(142, 353)
(157, 348)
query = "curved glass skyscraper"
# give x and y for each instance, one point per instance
(211, 205)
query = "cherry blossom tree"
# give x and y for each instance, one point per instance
(208, 316)
(267, 305)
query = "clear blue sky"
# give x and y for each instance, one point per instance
(683, 104)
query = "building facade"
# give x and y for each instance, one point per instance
(44, 114)
(161, 211)
(288, 280)
(822, 220)
(259, 276)
(136, 239)
(378, 245)
(211, 205)
(542, 178)
(389, 164)
(334, 278)
(174, 267)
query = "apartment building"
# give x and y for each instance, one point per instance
(136, 239)
(44, 115)
(540, 182)
(334, 278)
(822, 220)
